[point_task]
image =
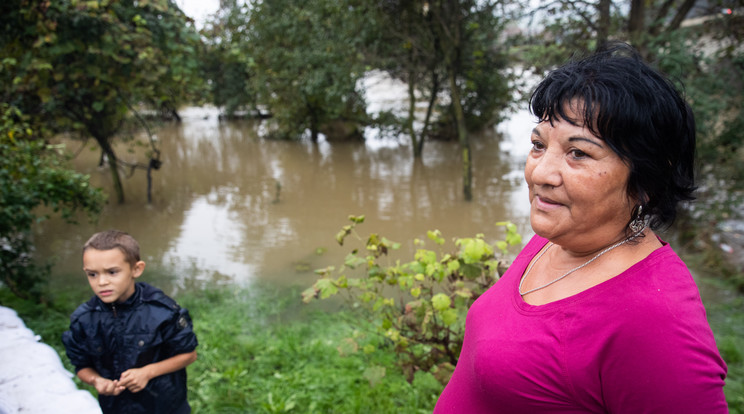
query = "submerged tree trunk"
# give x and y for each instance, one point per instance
(415, 139)
(114, 167)
(463, 139)
(429, 109)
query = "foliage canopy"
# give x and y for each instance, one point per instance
(32, 175)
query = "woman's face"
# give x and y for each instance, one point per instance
(577, 187)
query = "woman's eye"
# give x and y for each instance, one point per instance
(578, 154)
(537, 146)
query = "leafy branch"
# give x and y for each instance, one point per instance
(419, 306)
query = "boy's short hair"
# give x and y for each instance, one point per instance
(115, 239)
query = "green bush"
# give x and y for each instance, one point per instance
(33, 174)
(426, 325)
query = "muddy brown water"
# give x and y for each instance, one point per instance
(230, 207)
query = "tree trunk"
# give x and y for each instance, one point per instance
(637, 24)
(429, 109)
(314, 127)
(682, 12)
(462, 137)
(113, 166)
(603, 28)
(412, 112)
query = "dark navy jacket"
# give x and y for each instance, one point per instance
(112, 338)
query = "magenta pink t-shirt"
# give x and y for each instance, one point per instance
(637, 343)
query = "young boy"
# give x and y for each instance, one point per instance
(130, 341)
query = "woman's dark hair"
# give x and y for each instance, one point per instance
(641, 116)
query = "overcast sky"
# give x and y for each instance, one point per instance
(198, 9)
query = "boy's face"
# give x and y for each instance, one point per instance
(110, 276)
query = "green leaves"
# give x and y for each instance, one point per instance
(474, 250)
(307, 65)
(436, 290)
(440, 301)
(33, 174)
(81, 65)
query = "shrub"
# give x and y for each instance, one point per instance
(426, 324)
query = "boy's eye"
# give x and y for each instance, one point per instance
(91, 274)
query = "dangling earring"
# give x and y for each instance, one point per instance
(638, 223)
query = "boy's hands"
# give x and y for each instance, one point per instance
(106, 386)
(135, 379)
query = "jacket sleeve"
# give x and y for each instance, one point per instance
(74, 342)
(178, 334)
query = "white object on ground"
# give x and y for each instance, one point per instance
(32, 377)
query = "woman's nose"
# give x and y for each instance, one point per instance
(547, 170)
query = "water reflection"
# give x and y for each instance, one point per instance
(230, 207)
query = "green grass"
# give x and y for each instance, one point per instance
(727, 321)
(262, 351)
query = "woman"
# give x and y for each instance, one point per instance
(596, 314)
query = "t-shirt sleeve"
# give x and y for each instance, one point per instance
(666, 361)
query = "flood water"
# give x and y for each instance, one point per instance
(230, 207)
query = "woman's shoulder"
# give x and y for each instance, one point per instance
(657, 292)
(662, 271)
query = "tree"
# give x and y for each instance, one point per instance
(572, 26)
(469, 45)
(228, 67)
(83, 66)
(406, 47)
(308, 65)
(414, 37)
(33, 174)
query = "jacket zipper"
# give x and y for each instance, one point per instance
(113, 307)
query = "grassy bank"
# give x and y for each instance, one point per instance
(262, 351)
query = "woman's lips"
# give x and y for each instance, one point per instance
(544, 203)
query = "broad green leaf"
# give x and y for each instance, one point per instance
(327, 288)
(474, 250)
(453, 266)
(309, 294)
(440, 301)
(449, 316)
(435, 236)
